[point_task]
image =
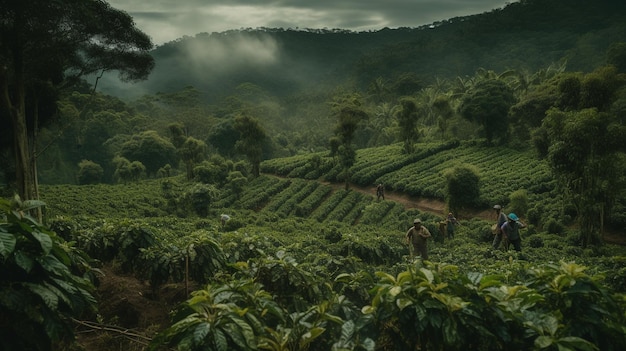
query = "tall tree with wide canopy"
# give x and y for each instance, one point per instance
(151, 149)
(349, 113)
(48, 45)
(407, 122)
(488, 104)
(587, 154)
(251, 139)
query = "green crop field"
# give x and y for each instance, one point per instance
(308, 242)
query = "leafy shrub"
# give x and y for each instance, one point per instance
(89, 172)
(64, 227)
(554, 227)
(198, 198)
(518, 202)
(131, 240)
(534, 215)
(41, 289)
(535, 241)
(236, 182)
(333, 235)
(462, 187)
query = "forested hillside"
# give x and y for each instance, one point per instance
(527, 36)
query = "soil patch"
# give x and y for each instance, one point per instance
(130, 313)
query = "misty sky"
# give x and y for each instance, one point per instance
(167, 20)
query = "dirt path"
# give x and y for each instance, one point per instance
(438, 207)
(435, 207)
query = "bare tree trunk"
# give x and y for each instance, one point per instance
(34, 158)
(23, 164)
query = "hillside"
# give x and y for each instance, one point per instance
(304, 228)
(307, 186)
(527, 35)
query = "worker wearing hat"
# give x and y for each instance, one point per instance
(417, 236)
(497, 232)
(510, 230)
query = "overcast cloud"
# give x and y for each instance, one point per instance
(167, 20)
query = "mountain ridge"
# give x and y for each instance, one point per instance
(523, 35)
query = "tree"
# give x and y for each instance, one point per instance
(151, 149)
(616, 56)
(488, 105)
(177, 134)
(250, 142)
(442, 108)
(223, 137)
(599, 88)
(407, 122)
(518, 202)
(349, 114)
(48, 45)
(236, 182)
(587, 156)
(89, 172)
(192, 151)
(462, 187)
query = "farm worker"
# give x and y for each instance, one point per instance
(451, 221)
(510, 230)
(417, 236)
(497, 232)
(380, 191)
(224, 218)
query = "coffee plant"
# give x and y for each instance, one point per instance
(44, 282)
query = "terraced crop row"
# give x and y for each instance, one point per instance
(501, 170)
(261, 190)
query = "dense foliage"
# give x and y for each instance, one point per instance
(45, 282)
(293, 255)
(284, 258)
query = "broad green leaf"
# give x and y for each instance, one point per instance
(7, 244)
(60, 294)
(405, 277)
(220, 340)
(24, 261)
(490, 281)
(368, 310)
(48, 297)
(368, 344)
(450, 334)
(52, 265)
(44, 240)
(31, 204)
(428, 274)
(575, 343)
(343, 277)
(347, 330)
(475, 277)
(333, 318)
(200, 332)
(386, 277)
(311, 335)
(246, 332)
(395, 291)
(402, 303)
(543, 341)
